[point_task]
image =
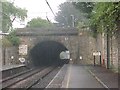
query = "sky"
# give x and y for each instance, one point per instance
(36, 8)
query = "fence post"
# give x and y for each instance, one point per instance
(100, 58)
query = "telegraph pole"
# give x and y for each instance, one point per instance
(1, 35)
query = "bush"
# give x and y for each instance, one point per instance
(13, 38)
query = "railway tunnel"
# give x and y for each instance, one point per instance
(48, 52)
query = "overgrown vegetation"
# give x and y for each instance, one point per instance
(67, 14)
(10, 13)
(13, 38)
(39, 23)
(105, 17)
(5, 42)
(10, 40)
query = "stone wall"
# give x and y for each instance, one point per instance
(114, 53)
(10, 55)
(88, 45)
(118, 40)
(70, 42)
(82, 45)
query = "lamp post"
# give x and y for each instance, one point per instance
(73, 20)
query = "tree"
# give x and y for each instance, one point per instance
(84, 7)
(65, 13)
(106, 17)
(39, 23)
(10, 13)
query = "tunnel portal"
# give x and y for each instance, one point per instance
(47, 52)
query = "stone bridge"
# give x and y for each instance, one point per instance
(35, 37)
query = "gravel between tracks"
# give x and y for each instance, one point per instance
(58, 79)
(45, 81)
(31, 80)
(52, 80)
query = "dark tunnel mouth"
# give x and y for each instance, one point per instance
(47, 52)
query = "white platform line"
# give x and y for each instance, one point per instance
(69, 75)
(98, 79)
(54, 78)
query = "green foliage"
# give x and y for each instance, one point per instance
(10, 12)
(13, 38)
(80, 25)
(39, 23)
(85, 7)
(5, 42)
(105, 16)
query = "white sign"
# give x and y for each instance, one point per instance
(80, 57)
(96, 53)
(0, 35)
(12, 57)
(23, 49)
(22, 60)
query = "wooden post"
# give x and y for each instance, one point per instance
(100, 61)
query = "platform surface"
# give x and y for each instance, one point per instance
(79, 77)
(6, 67)
(85, 76)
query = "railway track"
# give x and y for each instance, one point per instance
(17, 78)
(27, 80)
(16, 75)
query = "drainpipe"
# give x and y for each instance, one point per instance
(108, 50)
(78, 52)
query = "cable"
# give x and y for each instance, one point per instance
(50, 7)
(47, 18)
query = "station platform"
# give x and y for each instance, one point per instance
(6, 67)
(85, 76)
(9, 70)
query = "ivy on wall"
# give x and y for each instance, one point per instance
(13, 38)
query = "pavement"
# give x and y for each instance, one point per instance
(106, 77)
(78, 77)
(85, 77)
